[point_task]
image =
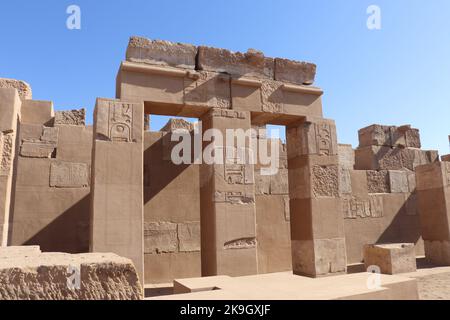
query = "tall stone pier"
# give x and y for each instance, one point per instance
(433, 191)
(11, 93)
(117, 180)
(317, 227)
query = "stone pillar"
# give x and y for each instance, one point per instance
(10, 104)
(228, 212)
(317, 226)
(433, 196)
(117, 180)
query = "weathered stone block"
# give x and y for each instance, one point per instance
(398, 181)
(208, 89)
(189, 236)
(177, 124)
(387, 158)
(69, 175)
(319, 257)
(325, 181)
(158, 52)
(312, 138)
(345, 182)
(389, 136)
(6, 153)
(37, 149)
(22, 87)
(50, 135)
(160, 237)
(295, 71)
(37, 112)
(346, 156)
(378, 181)
(73, 117)
(433, 176)
(391, 258)
(272, 96)
(104, 276)
(250, 64)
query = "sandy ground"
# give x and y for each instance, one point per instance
(434, 287)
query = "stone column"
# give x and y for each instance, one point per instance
(317, 226)
(117, 180)
(10, 104)
(433, 196)
(228, 212)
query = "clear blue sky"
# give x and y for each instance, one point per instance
(397, 75)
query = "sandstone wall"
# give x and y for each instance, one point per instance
(52, 180)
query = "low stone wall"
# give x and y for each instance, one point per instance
(31, 275)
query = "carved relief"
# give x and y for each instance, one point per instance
(233, 197)
(120, 121)
(69, 175)
(325, 181)
(208, 89)
(354, 208)
(6, 156)
(325, 139)
(244, 243)
(225, 113)
(272, 96)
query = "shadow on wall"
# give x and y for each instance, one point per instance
(405, 227)
(69, 232)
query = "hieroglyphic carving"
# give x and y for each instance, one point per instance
(6, 156)
(354, 208)
(69, 175)
(226, 113)
(120, 121)
(237, 167)
(233, 197)
(324, 139)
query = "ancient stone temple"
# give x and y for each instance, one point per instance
(325, 209)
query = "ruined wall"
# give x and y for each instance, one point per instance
(379, 200)
(171, 211)
(51, 198)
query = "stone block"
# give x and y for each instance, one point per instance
(445, 158)
(433, 176)
(160, 237)
(9, 109)
(69, 175)
(250, 64)
(177, 124)
(302, 73)
(164, 53)
(6, 153)
(389, 136)
(22, 87)
(346, 156)
(325, 181)
(189, 237)
(359, 183)
(37, 112)
(208, 89)
(312, 138)
(398, 181)
(50, 135)
(37, 149)
(73, 117)
(387, 158)
(319, 257)
(345, 183)
(378, 181)
(262, 183)
(391, 258)
(102, 276)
